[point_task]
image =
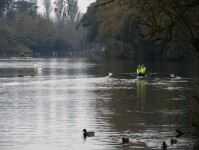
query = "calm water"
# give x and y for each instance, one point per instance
(50, 110)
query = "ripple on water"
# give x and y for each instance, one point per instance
(50, 110)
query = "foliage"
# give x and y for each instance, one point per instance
(173, 22)
(89, 20)
(4, 45)
(114, 49)
(161, 24)
(23, 6)
(27, 33)
(20, 48)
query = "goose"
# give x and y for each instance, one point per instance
(88, 133)
(125, 140)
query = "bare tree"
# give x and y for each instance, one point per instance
(73, 10)
(48, 7)
(60, 13)
(34, 1)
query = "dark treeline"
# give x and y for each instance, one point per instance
(22, 29)
(143, 29)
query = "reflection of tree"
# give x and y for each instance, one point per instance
(141, 92)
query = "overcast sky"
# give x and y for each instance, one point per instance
(82, 4)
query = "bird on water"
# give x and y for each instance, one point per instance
(125, 140)
(91, 133)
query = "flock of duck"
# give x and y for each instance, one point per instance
(92, 133)
(35, 66)
(125, 140)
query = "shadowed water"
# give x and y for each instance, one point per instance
(50, 110)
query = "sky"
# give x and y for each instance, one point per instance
(83, 4)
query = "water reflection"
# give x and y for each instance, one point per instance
(141, 92)
(70, 94)
(141, 89)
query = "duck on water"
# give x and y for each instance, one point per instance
(89, 134)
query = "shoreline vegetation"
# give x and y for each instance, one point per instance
(24, 30)
(127, 30)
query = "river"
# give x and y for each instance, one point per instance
(50, 110)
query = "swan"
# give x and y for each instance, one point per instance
(39, 69)
(35, 65)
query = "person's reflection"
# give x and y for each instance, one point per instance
(141, 92)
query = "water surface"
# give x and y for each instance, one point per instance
(49, 110)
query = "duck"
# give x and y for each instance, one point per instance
(39, 69)
(125, 140)
(164, 145)
(12, 76)
(20, 75)
(173, 141)
(88, 133)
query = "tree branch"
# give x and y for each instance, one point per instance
(104, 3)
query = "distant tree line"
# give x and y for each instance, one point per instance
(22, 29)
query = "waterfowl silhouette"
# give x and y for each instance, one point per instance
(173, 141)
(20, 75)
(125, 140)
(88, 133)
(164, 145)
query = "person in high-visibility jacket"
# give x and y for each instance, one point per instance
(143, 69)
(139, 70)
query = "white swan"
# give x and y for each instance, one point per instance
(39, 69)
(35, 65)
